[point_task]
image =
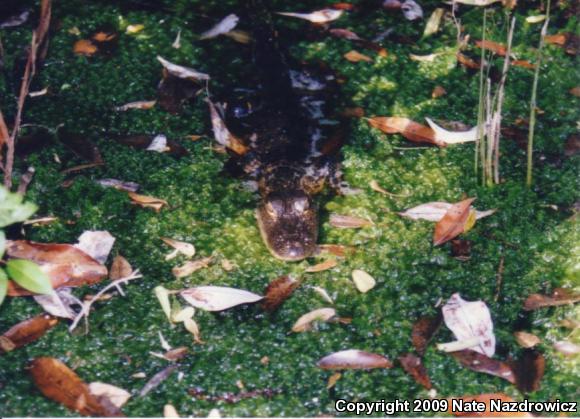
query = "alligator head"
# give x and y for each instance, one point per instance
(288, 222)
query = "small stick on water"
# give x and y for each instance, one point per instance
(86, 306)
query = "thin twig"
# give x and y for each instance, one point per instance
(533, 101)
(499, 278)
(86, 307)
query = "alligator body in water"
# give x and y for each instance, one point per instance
(289, 154)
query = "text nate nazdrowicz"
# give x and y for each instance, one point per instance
(452, 405)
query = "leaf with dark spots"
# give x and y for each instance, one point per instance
(81, 146)
(64, 264)
(560, 297)
(413, 365)
(59, 383)
(173, 92)
(423, 331)
(354, 359)
(453, 222)
(529, 370)
(26, 331)
(482, 363)
(278, 291)
(143, 141)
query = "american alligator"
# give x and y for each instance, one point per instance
(288, 153)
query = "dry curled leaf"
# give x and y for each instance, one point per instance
(523, 63)
(120, 268)
(157, 379)
(494, 47)
(26, 331)
(85, 47)
(222, 27)
(147, 201)
(222, 135)
(363, 281)
(355, 57)
(334, 249)
(353, 359)
(560, 297)
(482, 363)
(319, 16)
(96, 244)
(115, 395)
(323, 266)
(59, 383)
(413, 365)
(344, 33)
(65, 265)
(465, 61)
(141, 104)
(529, 370)
(438, 91)
(176, 354)
(423, 331)
(409, 129)
(191, 266)
(181, 71)
(470, 319)
(192, 327)
(186, 249)
(527, 340)
(453, 222)
(435, 211)
(348, 221)
(212, 298)
(278, 291)
(305, 321)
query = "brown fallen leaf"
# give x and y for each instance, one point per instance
(529, 370)
(147, 201)
(64, 264)
(191, 266)
(157, 379)
(559, 39)
(527, 340)
(409, 129)
(323, 266)
(453, 222)
(465, 61)
(423, 331)
(438, 91)
(85, 47)
(355, 57)
(26, 331)
(488, 413)
(59, 383)
(524, 64)
(278, 291)
(173, 92)
(222, 134)
(335, 249)
(347, 221)
(146, 141)
(575, 91)
(141, 104)
(353, 359)
(109, 394)
(560, 297)
(494, 47)
(413, 365)
(120, 268)
(482, 363)
(176, 354)
(343, 33)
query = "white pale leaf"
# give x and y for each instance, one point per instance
(184, 314)
(411, 10)
(304, 323)
(96, 244)
(470, 320)
(163, 296)
(59, 303)
(458, 345)
(164, 344)
(324, 294)
(319, 16)
(221, 133)
(117, 396)
(181, 71)
(536, 18)
(475, 2)
(158, 144)
(453, 137)
(224, 26)
(434, 211)
(363, 281)
(186, 249)
(169, 411)
(211, 298)
(429, 58)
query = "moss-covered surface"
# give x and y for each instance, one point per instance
(532, 230)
